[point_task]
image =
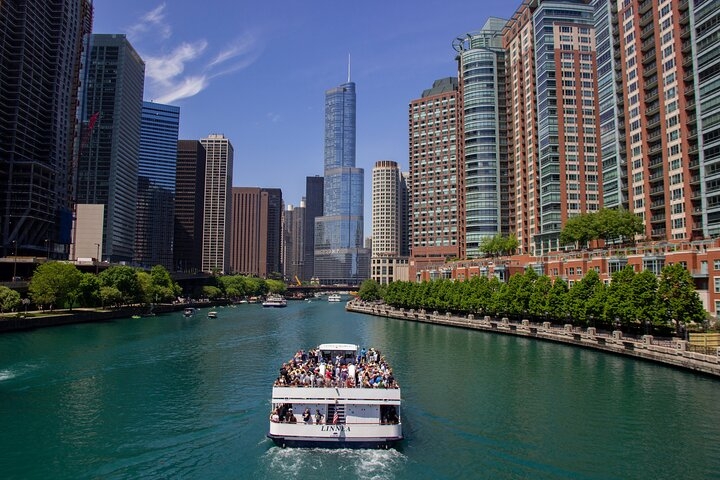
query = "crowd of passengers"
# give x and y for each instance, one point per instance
(313, 369)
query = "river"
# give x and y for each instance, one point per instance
(174, 397)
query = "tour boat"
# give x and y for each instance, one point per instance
(274, 301)
(336, 395)
(335, 297)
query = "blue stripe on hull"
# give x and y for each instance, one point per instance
(382, 443)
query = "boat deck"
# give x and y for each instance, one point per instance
(322, 369)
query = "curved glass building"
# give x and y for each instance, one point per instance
(339, 254)
(481, 67)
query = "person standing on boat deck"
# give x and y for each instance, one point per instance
(351, 375)
(318, 417)
(306, 416)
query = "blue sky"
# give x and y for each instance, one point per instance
(257, 72)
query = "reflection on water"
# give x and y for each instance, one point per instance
(176, 397)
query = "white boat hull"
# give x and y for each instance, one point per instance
(360, 425)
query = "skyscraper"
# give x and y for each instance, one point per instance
(108, 166)
(612, 127)
(294, 241)
(339, 254)
(217, 204)
(554, 118)
(706, 21)
(189, 203)
(568, 128)
(313, 208)
(389, 211)
(658, 85)
(40, 58)
(519, 44)
(256, 231)
(156, 184)
(436, 176)
(481, 64)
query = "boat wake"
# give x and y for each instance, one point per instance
(348, 463)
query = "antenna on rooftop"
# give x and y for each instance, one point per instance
(348, 68)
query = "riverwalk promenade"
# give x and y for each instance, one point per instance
(672, 352)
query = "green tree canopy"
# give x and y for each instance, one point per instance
(212, 292)
(499, 245)
(164, 289)
(604, 224)
(125, 280)
(9, 299)
(89, 290)
(55, 284)
(276, 286)
(369, 291)
(676, 291)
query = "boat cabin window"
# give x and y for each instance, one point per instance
(347, 356)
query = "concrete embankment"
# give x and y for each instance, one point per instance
(672, 352)
(84, 315)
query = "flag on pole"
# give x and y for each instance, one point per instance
(335, 418)
(92, 121)
(85, 136)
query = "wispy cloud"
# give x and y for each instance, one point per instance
(154, 21)
(163, 70)
(187, 87)
(190, 66)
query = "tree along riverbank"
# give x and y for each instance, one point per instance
(33, 320)
(673, 352)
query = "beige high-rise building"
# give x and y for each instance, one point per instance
(389, 212)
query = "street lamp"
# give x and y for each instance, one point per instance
(97, 259)
(47, 246)
(14, 242)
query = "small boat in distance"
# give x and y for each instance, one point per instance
(335, 297)
(212, 314)
(189, 312)
(336, 395)
(274, 301)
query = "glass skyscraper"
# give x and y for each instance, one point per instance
(41, 42)
(481, 63)
(108, 161)
(340, 257)
(156, 184)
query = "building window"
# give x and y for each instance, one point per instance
(716, 281)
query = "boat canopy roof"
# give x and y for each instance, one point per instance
(338, 347)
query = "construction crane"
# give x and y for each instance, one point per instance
(297, 280)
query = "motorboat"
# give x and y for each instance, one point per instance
(274, 301)
(335, 297)
(189, 312)
(212, 314)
